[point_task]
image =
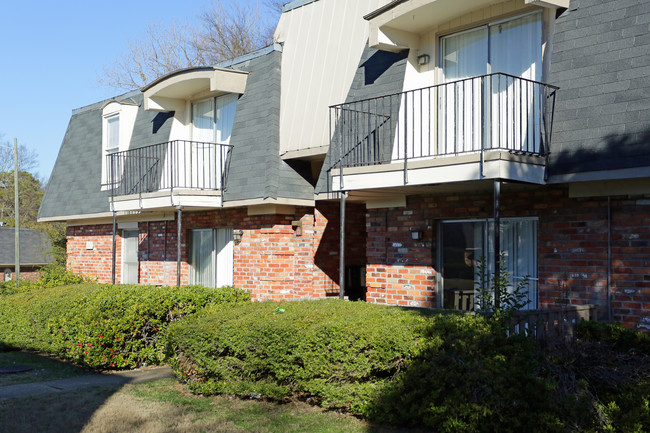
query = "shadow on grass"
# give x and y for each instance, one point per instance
(36, 400)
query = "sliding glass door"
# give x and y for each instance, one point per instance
(467, 244)
(211, 257)
(212, 122)
(506, 106)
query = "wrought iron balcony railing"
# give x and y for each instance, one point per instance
(167, 166)
(489, 112)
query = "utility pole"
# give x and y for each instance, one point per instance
(16, 214)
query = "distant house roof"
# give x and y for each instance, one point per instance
(35, 247)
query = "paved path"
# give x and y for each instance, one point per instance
(62, 385)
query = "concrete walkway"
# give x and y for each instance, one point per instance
(110, 379)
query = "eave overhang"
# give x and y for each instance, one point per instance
(398, 25)
(165, 93)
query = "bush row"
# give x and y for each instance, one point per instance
(448, 372)
(102, 326)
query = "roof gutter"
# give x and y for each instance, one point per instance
(383, 9)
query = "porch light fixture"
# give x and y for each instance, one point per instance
(416, 235)
(423, 59)
(297, 227)
(236, 235)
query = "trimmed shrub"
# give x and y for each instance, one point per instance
(50, 275)
(103, 325)
(449, 372)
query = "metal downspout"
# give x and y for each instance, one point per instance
(609, 259)
(179, 223)
(342, 249)
(497, 241)
(114, 246)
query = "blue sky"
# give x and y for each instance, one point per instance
(54, 53)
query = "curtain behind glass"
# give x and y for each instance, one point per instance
(202, 258)
(516, 49)
(130, 262)
(464, 55)
(224, 257)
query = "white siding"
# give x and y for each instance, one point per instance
(322, 45)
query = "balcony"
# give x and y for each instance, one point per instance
(166, 175)
(494, 126)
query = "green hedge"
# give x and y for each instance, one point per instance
(102, 325)
(415, 367)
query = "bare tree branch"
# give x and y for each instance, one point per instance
(27, 158)
(225, 32)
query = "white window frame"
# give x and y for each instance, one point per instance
(126, 114)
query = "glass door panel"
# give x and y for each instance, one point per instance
(464, 55)
(516, 49)
(202, 257)
(465, 244)
(203, 153)
(130, 263)
(224, 257)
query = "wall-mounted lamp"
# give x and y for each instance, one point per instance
(297, 227)
(236, 235)
(416, 235)
(423, 59)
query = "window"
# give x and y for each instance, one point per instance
(212, 122)
(118, 119)
(211, 257)
(464, 243)
(111, 147)
(130, 263)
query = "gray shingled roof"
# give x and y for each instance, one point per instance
(75, 183)
(256, 169)
(379, 73)
(35, 247)
(600, 61)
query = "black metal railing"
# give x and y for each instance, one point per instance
(178, 164)
(488, 112)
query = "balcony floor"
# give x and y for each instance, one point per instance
(168, 199)
(431, 171)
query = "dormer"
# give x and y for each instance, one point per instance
(170, 92)
(403, 24)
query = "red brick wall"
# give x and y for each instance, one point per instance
(270, 261)
(93, 259)
(572, 248)
(29, 273)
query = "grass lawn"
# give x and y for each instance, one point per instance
(167, 406)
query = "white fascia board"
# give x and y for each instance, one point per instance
(549, 3)
(423, 175)
(169, 92)
(398, 201)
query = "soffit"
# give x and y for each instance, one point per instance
(411, 18)
(185, 84)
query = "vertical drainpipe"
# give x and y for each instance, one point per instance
(179, 222)
(609, 259)
(497, 241)
(342, 249)
(114, 246)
